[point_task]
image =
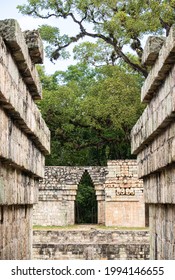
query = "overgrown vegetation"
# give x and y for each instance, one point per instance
(90, 112)
(86, 204)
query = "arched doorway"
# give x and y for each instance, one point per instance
(86, 203)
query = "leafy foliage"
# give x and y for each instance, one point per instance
(90, 112)
(116, 23)
(86, 204)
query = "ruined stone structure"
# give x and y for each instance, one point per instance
(124, 199)
(119, 194)
(153, 140)
(24, 138)
(90, 245)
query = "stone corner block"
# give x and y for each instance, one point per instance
(160, 69)
(35, 46)
(152, 48)
(15, 40)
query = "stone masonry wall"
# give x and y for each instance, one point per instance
(124, 199)
(90, 245)
(119, 194)
(24, 138)
(153, 140)
(57, 194)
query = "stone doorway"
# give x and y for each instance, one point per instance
(86, 203)
(119, 194)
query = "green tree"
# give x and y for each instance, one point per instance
(116, 23)
(90, 112)
(95, 54)
(86, 203)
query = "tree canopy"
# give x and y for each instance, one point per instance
(117, 23)
(90, 112)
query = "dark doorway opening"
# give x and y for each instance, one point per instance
(86, 203)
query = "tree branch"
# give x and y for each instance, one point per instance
(109, 40)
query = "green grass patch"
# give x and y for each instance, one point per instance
(39, 227)
(122, 228)
(87, 227)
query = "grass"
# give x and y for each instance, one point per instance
(123, 228)
(97, 227)
(39, 227)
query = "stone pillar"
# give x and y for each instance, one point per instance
(153, 141)
(57, 193)
(124, 201)
(101, 211)
(100, 196)
(24, 141)
(69, 196)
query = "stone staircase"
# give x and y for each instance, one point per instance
(90, 243)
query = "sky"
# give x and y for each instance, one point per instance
(9, 10)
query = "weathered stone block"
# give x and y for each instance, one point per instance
(162, 231)
(158, 154)
(159, 187)
(14, 38)
(17, 187)
(35, 46)
(151, 50)
(161, 68)
(125, 213)
(16, 232)
(158, 114)
(18, 150)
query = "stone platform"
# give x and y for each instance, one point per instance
(90, 243)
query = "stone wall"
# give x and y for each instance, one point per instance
(57, 194)
(153, 140)
(90, 245)
(124, 199)
(119, 194)
(24, 138)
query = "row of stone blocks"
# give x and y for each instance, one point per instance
(153, 140)
(90, 245)
(24, 137)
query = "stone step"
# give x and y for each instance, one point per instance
(17, 149)
(87, 245)
(90, 236)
